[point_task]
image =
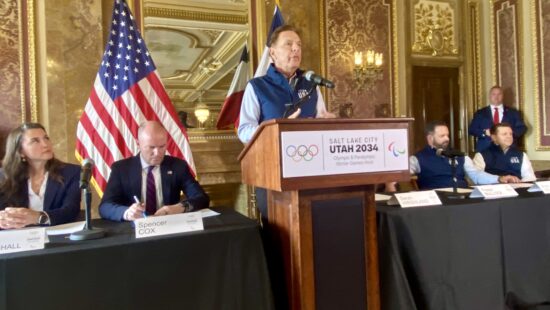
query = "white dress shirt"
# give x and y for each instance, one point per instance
(500, 109)
(527, 173)
(36, 200)
(478, 177)
(250, 112)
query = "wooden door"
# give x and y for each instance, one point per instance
(435, 96)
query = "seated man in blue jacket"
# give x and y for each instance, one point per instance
(153, 178)
(434, 171)
(502, 157)
(494, 113)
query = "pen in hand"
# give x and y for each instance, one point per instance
(137, 201)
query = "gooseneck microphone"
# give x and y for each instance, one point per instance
(86, 173)
(317, 79)
(88, 232)
(449, 153)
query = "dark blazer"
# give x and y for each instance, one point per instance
(483, 119)
(61, 200)
(125, 183)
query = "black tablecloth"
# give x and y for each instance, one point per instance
(469, 254)
(222, 267)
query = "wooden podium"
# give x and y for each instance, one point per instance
(321, 202)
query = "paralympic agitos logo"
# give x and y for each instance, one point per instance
(394, 150)
(302, 152)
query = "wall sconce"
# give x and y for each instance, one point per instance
(369, 71)
(201, 110)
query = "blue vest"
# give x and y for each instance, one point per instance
(274, 91)
(499, 163)
(435, 171)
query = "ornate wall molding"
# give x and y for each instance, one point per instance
(540, 10)
(506, 31)
(434, 28)
(195, 15)
(355, 25)
(474, 54)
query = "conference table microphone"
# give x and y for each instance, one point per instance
(88, 232)
(452, 155)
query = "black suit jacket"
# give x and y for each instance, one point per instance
(61, 200)
(125, 183)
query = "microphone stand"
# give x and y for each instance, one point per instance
(292, 107)
(455, 194)
(88, 233)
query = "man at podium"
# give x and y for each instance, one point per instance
(266, 97)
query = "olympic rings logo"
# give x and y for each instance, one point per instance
(297, 153)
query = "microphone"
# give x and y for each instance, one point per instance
(86, 173)
(449, 153)
(317, 79)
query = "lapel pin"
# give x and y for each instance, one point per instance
(169, 172)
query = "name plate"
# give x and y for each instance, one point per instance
(168, 224)
(418, 199)
(494, 191)
(314, 153)
(12, 241)
(541, 186)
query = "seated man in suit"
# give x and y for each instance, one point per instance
(154, 178)
(434, 171)
(502, 157)
(495, 113)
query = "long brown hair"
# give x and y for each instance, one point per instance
(16, 170)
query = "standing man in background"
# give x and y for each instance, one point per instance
(494, 113)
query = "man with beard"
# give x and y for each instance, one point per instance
(435, 171)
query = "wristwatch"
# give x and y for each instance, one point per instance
(186, 206)
(43, 219)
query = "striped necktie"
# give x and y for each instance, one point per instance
(151, 193)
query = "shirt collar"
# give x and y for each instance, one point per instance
(144, 165)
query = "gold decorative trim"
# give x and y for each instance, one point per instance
(27, 52)
(323, 46)
(434, 30)
(195, 15)
(493, 42)
(22, 64)
(31, 51)
(475, 43)
(395, 56)
(535, 37)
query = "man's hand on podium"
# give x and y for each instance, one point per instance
(295, 114)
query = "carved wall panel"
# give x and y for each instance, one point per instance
(506, 36)
(74, 47)
(15, 64)
(541, 48)
(434, 28)
(358, 25)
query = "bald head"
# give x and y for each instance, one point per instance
(152, 140)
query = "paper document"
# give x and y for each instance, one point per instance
(65, 229)
(450, 190)
(208, 213)
(521, 185)
(381, 197)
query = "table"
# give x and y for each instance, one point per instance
(222, 267)
(469, 254)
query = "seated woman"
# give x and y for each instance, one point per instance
(502, 158)
(36, 188)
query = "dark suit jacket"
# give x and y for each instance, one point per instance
(61, 200)
(483, 119)
(125, 183)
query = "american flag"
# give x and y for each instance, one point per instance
(127, 91)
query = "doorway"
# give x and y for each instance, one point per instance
(435, 96)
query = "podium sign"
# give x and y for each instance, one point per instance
(316, 153)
